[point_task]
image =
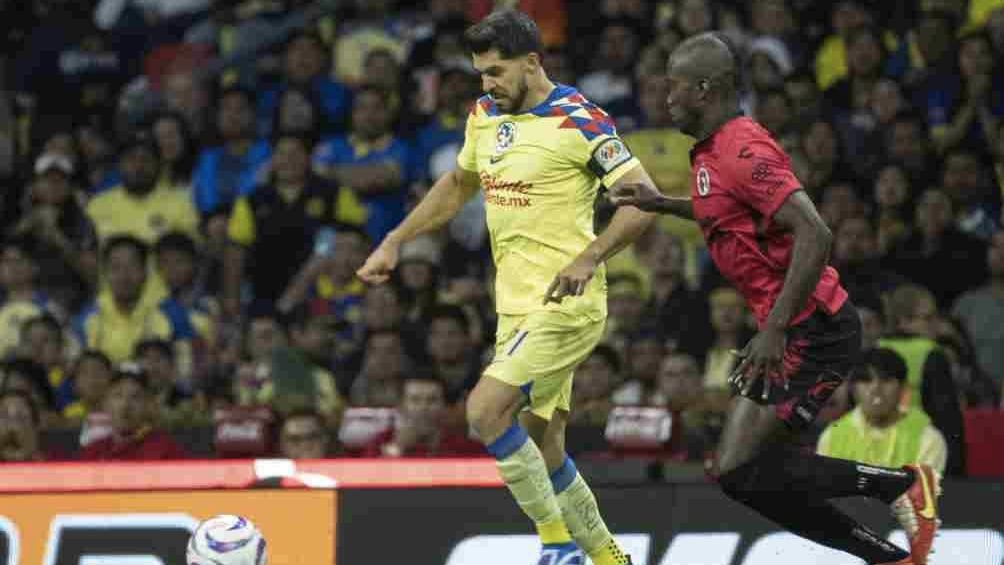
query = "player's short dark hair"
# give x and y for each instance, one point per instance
(511, 32)
(129, 241)
(44, 319)
(36, 417)
(886, 363)
(176, 241)
(449, 312)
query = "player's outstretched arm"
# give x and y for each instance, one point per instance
(439, 205)
(648, 197)
(626, 226)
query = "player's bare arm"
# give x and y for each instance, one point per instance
(439, 205)
(626, 226)
(647, 197)
(763, 354)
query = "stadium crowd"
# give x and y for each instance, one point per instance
(190, 185)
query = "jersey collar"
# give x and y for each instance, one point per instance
(706, 141)
(559, 91)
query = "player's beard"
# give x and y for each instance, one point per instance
(514, 102)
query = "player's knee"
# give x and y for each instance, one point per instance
(486, 419)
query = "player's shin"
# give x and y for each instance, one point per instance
(523, 470)
(582, 516)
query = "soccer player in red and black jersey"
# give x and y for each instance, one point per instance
(766, 237)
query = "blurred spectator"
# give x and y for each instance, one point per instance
(137, 208)
(931, 42)
(681, 390)
(298, 375)
(838, 202)
(981, 311)
(42, 340)
(371, 161)
(274, 231)
(62, 237)
(908, 144)
(626, 307)
(731, 332)
(178, 150)
(454, 357)
(262, 334)
(880, 430)
(128, 311)
(644, 351)
(872, 322)
(305, 66)
(135, 434)
(821, 147)
(303, 435)
(774, 111)
(174, 400)
(417, 276)
(384, 367)
(22, 299)
(912, 316)
(418, 430)
(975, 387)
(682, 312)
(230, 170)
(832, 57)
(966, 110)
(382, 309)
(855, 256)
(806, 98)
(183, 271)
(299, 111)
(89, 382)
(936, 247)
(28, 377)
(187, 95)
(20, 427)
(594, 382)
(865, 56)
(610, 84)
(892, 197)
(375, 26)
(969, 183)
(437, 143)
(99, 162)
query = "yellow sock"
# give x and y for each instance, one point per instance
(582, 516)
(522, 467)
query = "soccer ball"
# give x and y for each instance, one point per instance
(226, 540)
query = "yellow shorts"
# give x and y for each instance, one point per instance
(539, 353)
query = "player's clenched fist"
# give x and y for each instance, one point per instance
(640, 195)
(380, 263)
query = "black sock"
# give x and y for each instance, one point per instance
(786, 470)
(819, 521)
(837, 478)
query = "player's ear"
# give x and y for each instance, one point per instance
(532, 62)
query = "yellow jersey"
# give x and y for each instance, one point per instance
(540, 171)
(116, 212)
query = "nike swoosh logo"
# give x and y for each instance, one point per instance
(928, 511)
(495, 159)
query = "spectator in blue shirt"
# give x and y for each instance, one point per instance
(230, 170)
(370, 161)
(304, 65)
(444, 134)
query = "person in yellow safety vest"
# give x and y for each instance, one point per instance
(912, 316)
(881, 430)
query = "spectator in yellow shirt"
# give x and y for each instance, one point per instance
(127, 312)
(137, 208)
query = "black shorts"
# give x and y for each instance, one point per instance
(820, 353)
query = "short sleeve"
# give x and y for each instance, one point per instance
(760, 175)
(467, 159)
(609, 158)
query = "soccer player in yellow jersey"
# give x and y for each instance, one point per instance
(539, 151)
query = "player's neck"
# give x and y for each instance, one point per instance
(539, 89)
(715, 118)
